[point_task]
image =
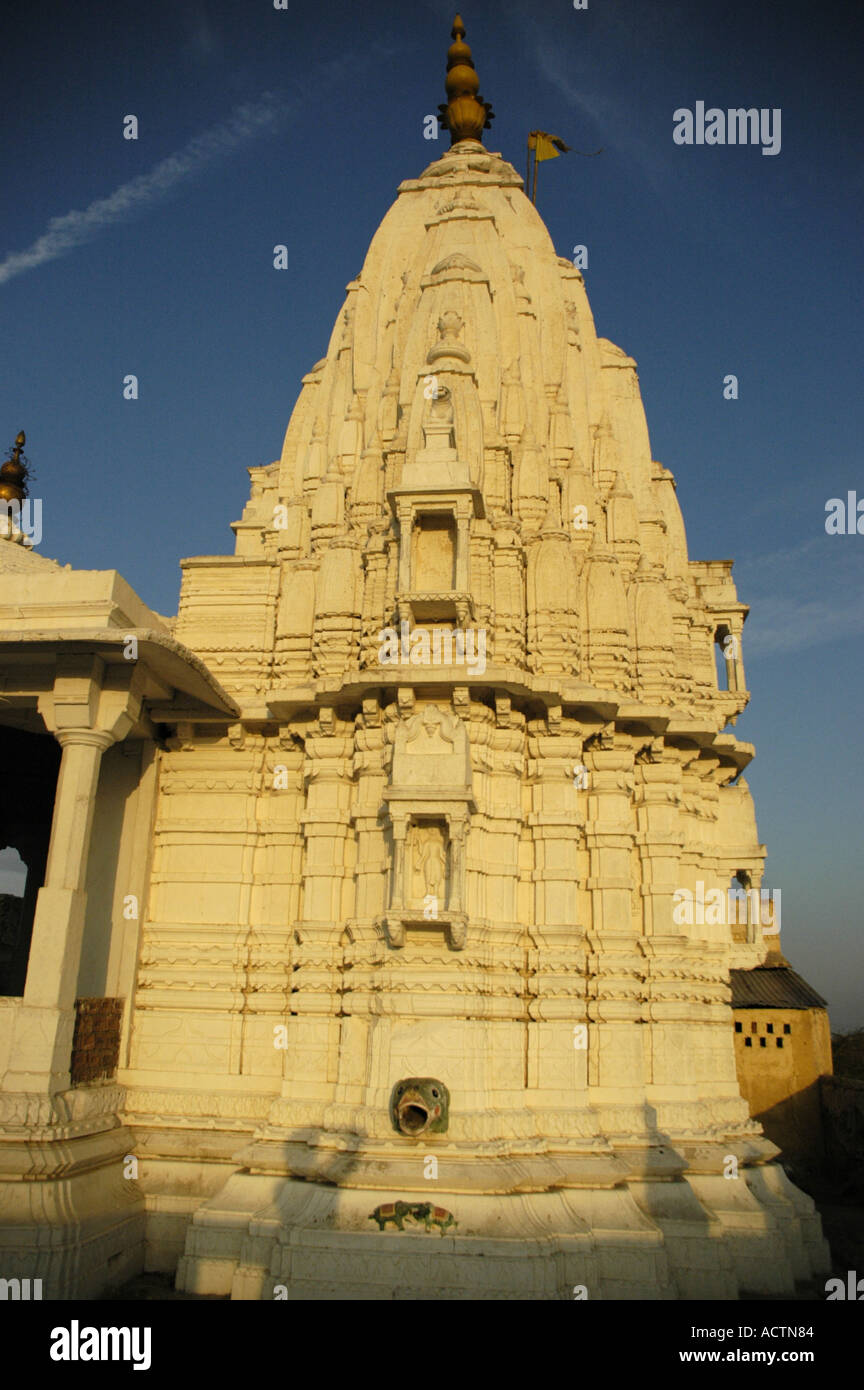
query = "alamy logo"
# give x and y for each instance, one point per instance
(20, 1289)
(853, 1289)
(76, 1343)
(847, 518)
(440, 647)
(734, 127)
(20, 518)
(726, 907)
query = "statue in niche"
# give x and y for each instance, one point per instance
(429, 862)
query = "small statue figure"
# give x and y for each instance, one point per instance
(432, 860)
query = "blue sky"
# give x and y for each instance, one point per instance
(260, 126)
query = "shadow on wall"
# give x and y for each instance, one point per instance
(820, 1133)
(842, 1101)
(795, 1125)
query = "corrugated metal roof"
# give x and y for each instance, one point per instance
(772, 987)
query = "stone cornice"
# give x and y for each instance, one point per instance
(170, 661)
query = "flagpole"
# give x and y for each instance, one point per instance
(552, 146)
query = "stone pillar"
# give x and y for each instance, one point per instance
(313, 1029)
(370, 749)
(43, 1039)
(700, 666)
(326, 820)
(659, 839)
(737, 681)
(462, 546)
(458, 830)
(554, 1066)
(397, 889)
(615, 1048)
(406, 522)
(558, 806)
(610, 838)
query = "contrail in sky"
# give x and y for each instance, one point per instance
(76, 228)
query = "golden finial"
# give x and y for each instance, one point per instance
(14, 473)
(466, 115)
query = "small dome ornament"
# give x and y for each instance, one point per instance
(466, 115)
(15, 472)
(450, 325)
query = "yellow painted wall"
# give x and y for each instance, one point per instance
(779, 1070)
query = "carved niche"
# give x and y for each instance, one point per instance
(429, 801)
(434, 505)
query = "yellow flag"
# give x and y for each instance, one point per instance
(546, 146)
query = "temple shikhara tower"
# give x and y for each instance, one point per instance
(405, 801)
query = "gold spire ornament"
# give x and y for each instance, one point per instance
(466, 115)
(14, 473)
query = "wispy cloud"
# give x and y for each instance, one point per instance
(610, 120)
(204, 41)
(804, 596)
(557, 68)
(74, 229)
(759, 562)
(784, 625)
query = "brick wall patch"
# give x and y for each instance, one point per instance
(96, 1041)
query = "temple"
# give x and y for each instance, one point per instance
(351, 948)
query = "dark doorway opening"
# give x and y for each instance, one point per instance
(30, 764)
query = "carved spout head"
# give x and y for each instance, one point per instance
(420, 1105)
